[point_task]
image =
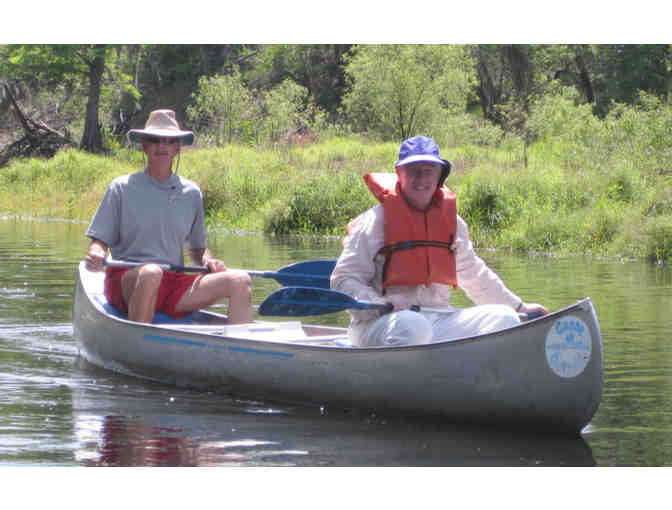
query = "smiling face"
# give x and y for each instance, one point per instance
(418, 182)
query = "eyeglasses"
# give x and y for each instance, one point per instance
(157, 140)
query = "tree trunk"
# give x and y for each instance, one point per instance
(585, 82)
(92, 139)
(489, 93)
(520, 67)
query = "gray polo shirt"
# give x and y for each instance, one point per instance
(142, 219)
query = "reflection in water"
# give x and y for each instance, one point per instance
(128, 441)
(119, 421)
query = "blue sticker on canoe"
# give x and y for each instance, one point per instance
(568, 346)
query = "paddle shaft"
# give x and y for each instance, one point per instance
(165, 267)
(388, 307)
(315, 272)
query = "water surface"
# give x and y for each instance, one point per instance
(58, 410)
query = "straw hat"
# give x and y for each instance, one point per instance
(161, 124)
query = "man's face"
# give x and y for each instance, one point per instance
(158, 149)
(418, 182)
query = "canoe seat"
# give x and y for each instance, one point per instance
(159, 318)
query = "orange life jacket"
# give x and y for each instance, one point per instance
(418, 244)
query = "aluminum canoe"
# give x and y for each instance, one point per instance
(545, 375)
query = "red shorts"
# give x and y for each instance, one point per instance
(172, 288)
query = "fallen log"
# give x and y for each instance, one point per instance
(39, 140)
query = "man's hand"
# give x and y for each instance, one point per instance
(215, 265)
(399, 302)
(95, 256)
(533, 309)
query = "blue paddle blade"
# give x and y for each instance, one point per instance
(304, 301)
(311, 273)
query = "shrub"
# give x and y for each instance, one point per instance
(222, 107)
(284, 109)
(324, 204)
(658, 240)
(487, 204)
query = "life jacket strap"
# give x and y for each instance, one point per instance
(389, 249)
(405, 245)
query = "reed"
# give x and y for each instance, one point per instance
(603, 191)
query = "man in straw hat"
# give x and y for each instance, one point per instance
(147, 217)
(413, 249)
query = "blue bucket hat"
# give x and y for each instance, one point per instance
(422, 148)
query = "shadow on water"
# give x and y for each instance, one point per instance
(121, 421)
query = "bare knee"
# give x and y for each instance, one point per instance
(240, 283)
(150, 274)
(239, 290)
(144, 276)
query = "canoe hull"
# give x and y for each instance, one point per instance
(544, 375)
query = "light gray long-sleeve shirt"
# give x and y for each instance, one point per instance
(359, 271)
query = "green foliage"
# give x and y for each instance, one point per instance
(543, 234)
(641, 134)
(623, 70)
(46, 63)
(221, 107)
(69, 185)
(658, 241)
(63, 75)
(165, 65)
(397, 91)
(227, 112)
(323, 204)
(569, 127)
(486, 204)
(284, 109)
(316, 67)
(564, 179)
(465, 129)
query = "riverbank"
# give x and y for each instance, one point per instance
(540, 199)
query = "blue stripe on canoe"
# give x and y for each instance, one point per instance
(171, 339)
(245, 350)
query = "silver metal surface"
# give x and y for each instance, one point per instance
(545, 375)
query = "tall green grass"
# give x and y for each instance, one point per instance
(599, 187)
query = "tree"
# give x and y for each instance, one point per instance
(317, 67)
(94, 58)
(398, 91)
(44, 65)
(505, 77)
(622, 70)
(165, 65)
(285, 109)
(222, 105)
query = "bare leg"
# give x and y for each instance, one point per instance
(140, 288)
(211, 288)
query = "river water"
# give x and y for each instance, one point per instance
(57, 410)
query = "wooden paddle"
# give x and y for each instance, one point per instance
(315, 273)
(304, 301)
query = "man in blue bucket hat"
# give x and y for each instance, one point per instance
(414, 249)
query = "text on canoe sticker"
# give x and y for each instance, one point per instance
(568, 346)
